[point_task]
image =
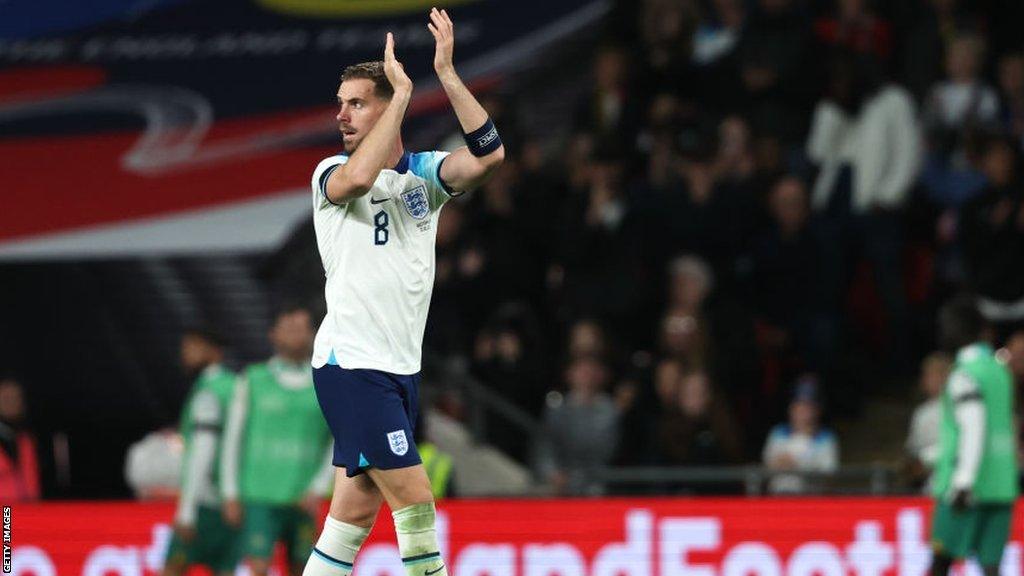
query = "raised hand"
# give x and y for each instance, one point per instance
(444, 37)
(393, 69)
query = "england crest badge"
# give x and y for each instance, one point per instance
(399, 445)
(415, 201)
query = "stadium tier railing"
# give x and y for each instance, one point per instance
(753, 480)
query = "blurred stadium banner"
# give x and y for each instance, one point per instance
(166, 126)
(596, 537)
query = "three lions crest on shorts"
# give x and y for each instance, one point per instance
(415, 201)
(399, 445)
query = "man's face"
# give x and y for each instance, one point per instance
(358, 110)
(789, 204)
(12, 404)
(195, 353)
(803, 415)
(292, 334)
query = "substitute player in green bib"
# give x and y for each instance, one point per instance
(200, 534)
(277, 451)
(976, 475)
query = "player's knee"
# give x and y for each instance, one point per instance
(361, 516)
(415, 493)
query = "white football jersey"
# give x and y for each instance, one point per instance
(378, 254)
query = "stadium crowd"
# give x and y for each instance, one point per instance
(753, 217)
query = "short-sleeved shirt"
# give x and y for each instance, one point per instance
(378, 255)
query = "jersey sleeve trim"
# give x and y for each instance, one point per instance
(968, 397)
(323, 183)
(444, 185)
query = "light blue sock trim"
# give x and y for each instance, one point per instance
(330, 560)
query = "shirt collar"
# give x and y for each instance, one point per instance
(403, 163)
(973, 351)
(212, 370)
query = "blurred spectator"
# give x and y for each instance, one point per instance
(963, 103)
(508, 258)
(668, 378)
(931, 26)
(507, 357)
(922, 444)
(684, 338)
(698, 430)
(457, 286)
(718, 31)
(597, 268)
(713, 336)
(715, 43)
(802, 445)
(865, 140)
(19, 464)
(587, 338)
(581, 430)
(153, 465)
(957, 113)
(690, 283)
(992, 230)
(774, 69)
(666, 31)
(608, 111)
(784, 263)
(734, 159)
(853, 26)
(1011, 87)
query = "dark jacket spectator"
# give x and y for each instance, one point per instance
(774, 69)
(699, 430)
(19, 464)
(992, 230)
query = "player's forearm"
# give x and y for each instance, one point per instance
(204, 448)
(467, 109)
(970, 418)
(360, 172)
(233, 443)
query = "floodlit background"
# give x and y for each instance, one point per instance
(719, 221)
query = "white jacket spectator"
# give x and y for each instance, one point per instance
(923, 439)
(153, 465)
(801, 445)
(882, 144)
(963, 97)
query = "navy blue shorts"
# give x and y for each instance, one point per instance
(371, 414)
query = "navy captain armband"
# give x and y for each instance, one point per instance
(483, 140)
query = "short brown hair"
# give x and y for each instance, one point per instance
(371, 71)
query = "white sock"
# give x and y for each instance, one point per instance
(335, 551)
(417, 540)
